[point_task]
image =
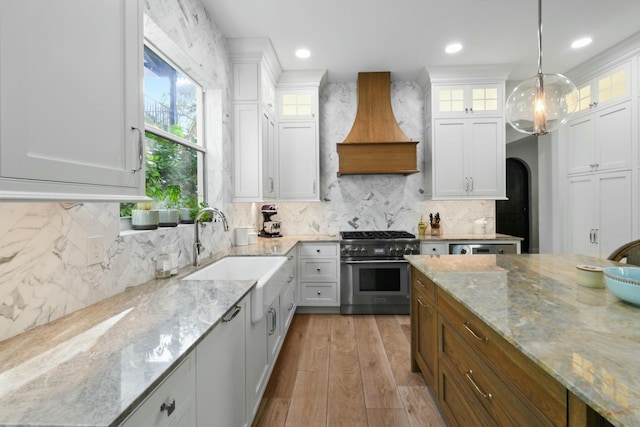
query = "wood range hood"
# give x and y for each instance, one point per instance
(376, 144)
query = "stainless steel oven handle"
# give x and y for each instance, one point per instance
(376, 261)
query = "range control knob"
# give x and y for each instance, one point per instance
(363, 250)
(344, 250)
(407, 250)
(352, 250)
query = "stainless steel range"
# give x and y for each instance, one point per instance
(374, 276)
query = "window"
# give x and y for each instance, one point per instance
(173, 129)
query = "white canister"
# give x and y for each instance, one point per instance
(253, 237)
(242, 236)
(480, 226)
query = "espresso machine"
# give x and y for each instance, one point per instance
(270, 228)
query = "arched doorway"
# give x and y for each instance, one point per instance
(512, 215)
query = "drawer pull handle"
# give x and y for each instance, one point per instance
(169, 408)
(229, 317)
(290, 306)
(487, 396)
(420, 283)
(472, 332)
(422, 304)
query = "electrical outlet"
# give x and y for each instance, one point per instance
(95, 250)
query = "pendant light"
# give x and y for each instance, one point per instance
(543, 102)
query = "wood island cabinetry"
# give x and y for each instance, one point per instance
(478, 377)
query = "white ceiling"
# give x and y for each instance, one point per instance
(404, 36)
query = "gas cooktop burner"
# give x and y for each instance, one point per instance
(376, 235)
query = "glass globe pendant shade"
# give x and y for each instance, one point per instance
(541, 104)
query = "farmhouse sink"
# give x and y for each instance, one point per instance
(259, 268)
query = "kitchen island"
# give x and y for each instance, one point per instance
(93, 367)
(584, 339)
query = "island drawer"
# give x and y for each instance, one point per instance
(456, 402)
(424, 285)
(541, 389)
(482, 386)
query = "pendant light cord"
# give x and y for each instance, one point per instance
(539, 36)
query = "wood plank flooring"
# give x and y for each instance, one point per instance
(351, 371)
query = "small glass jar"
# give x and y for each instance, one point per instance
(163, 264)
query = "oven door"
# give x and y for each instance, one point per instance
(374, 287)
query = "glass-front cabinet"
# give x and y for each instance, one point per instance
(607, 88)
(469, 99)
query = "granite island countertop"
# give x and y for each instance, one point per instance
(586, 338)
(94, 366)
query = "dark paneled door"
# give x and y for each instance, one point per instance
(512, 215)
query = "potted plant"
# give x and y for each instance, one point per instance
(144, 217)
(189, 205)
(169, 213)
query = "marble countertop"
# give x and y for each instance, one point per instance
(469, 236)
(92, 367)
(586, 338)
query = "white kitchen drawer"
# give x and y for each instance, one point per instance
(433, 248)
(177, 393)
(312, 269)
(319, 249)
(319, 294)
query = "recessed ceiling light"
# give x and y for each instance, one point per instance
(303, 53)
(453, 48)
(581, 42)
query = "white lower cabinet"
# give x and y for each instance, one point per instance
(319, 274)
(599, 216)
(274, 333)
(220, 364)
(288, 306)
(172, 403)
(222, 382)
(257, 362)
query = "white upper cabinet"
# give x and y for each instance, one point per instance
(298, 165)
(465, 137)
(71, 120)
(607, 88)
(601, 140)
(276, 153)
(461, 100)
(468, 158)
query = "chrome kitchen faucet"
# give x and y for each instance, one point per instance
(198, 247)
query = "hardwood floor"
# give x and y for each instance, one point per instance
(337, 370)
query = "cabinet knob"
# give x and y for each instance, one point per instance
(319, 293)
(318, 269)
(318, 250)
(169, 408)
